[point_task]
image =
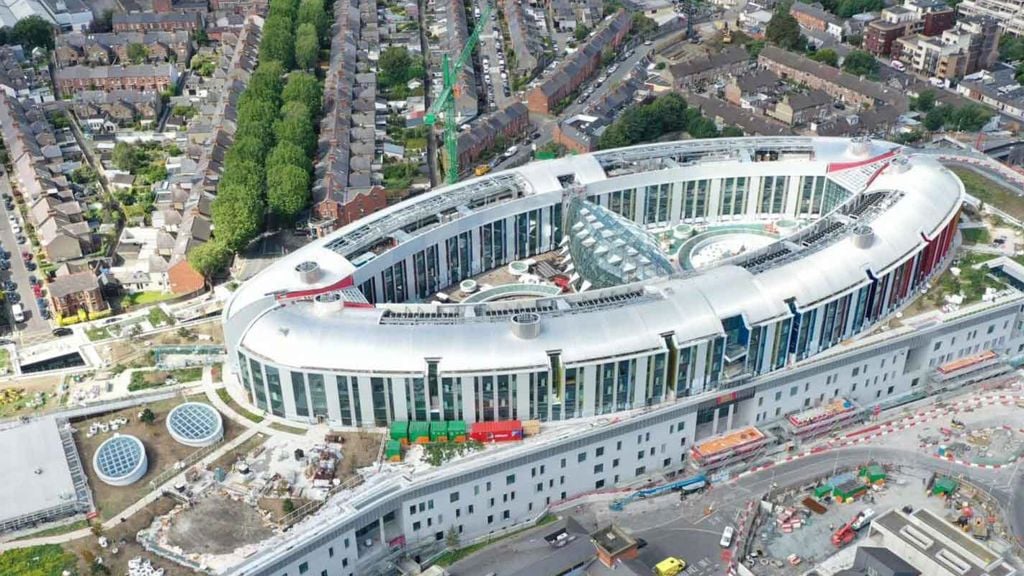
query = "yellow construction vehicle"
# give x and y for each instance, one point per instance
(726, 34)
(481, 169)
(669, 567)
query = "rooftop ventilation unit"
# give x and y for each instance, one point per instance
(860, 147)
(328, 303)
(308, 271)
(900, 164)
(863, 236)
(526, 325)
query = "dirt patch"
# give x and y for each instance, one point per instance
(217, 525)
(162, 452)
(122, 536)
(278, 508)
(21, 396)
(358, 449)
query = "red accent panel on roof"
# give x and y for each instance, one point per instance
(839, 166)
(345, 282)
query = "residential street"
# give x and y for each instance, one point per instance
(34, 324)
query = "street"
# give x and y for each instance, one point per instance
(34, 323)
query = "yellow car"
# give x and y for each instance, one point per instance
(669, 567)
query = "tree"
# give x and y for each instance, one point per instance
(33, 32)
(925, 101)
(754, 48)
(303, 87)
(254, 119)
(643, 26)
(104, 23)
(128, 157)
(312, 12)
(137, 53)
(278, 42)
(395, 63)
(1011, 48)
(209, 259)
(265, 82)
(287, 192)
(297, 129)
(243, 173)
(1018, 74)
(452, 538)
(285, 8)
(237, 217)
(936, 117)
(731, 132)
(860, 63)
(581, 32)
(288, 506)
(826, 56)
(147, 416)
(784, 31)
(288, 154)
(307, 47)
(703, 128)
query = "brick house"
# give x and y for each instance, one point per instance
(168, 22)
(511, 122)
(579, 66)
(802, 108)
(142, 77)
(925, 17)
(341, 207)
(854, 91)
(699, 72)
(815, 17)
(73, 292)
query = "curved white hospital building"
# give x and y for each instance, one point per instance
(711, 283)
(344, 329)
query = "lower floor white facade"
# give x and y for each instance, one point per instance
(493, 494)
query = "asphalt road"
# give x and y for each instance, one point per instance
(34, 323)
(487, 47)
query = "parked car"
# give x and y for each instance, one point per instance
(13, 297)
(58, 332)
(21, 239)
(726, 540)
(5, 264)
(10, 286)
(31, 266)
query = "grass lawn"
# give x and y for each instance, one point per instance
(157, 378)
(976, 235)
(98, 333)
(57, 530)
(162, 452)
(991, 193)
(289, 429)
(46, 560)
(223, 393)
(5, 359)
(143, 298)
(452, 556)
(157, 317)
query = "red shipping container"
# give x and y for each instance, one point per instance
(502, 431)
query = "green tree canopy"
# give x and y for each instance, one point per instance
(668, 113)
(254, 119)
(296, 128)
(278, 42)
(303, 87)
(246, 148)
(826, 56)
(287, 192)
(703, 128)
(395, 66)
(581, 32)
(265, 82)
(731, 132)
(242, 174)
(288, 154)
(307, 47)
(312, 12)
(784, 31)
(137, 53)
(283, 8)
(860, 63)
(32, 32)
(237, 217)
(210, 258)
(925, 101)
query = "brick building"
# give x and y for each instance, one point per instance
(168, 22)
(511, 123)
(142, 77)
(854, 91)
(579, 66)
(815, 17)
(699, 72)
(925, 17)
(73, 292)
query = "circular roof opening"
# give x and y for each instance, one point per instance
(120, 460)
(195, 424)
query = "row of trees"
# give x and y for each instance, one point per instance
(667, 114)
(269, 166)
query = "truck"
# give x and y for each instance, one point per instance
(17, 312)
(481, 169)
(669, 566)
(863, 519)
(843, 536)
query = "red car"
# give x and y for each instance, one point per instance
(37, 290)
(26, 256)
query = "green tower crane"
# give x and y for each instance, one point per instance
(445, 102)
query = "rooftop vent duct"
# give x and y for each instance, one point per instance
(526, 325)
(309, 272)
(863, 236)
(900, 164)
(328, 303)
(860, 147)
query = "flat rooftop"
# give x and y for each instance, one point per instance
(36, 475)
(729, 441)
(939, 540)
(612, 540)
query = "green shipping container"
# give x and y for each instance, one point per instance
(849, 489)
(400, 430)
(873, 473)
(945, 486)
(393, 450)
(439, 431)
(457, 431)
(419, 432)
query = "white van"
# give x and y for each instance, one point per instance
(726, 540)
(17, 312)
(863, 519)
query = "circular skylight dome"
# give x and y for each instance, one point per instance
(195, 424)
(120, 460)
